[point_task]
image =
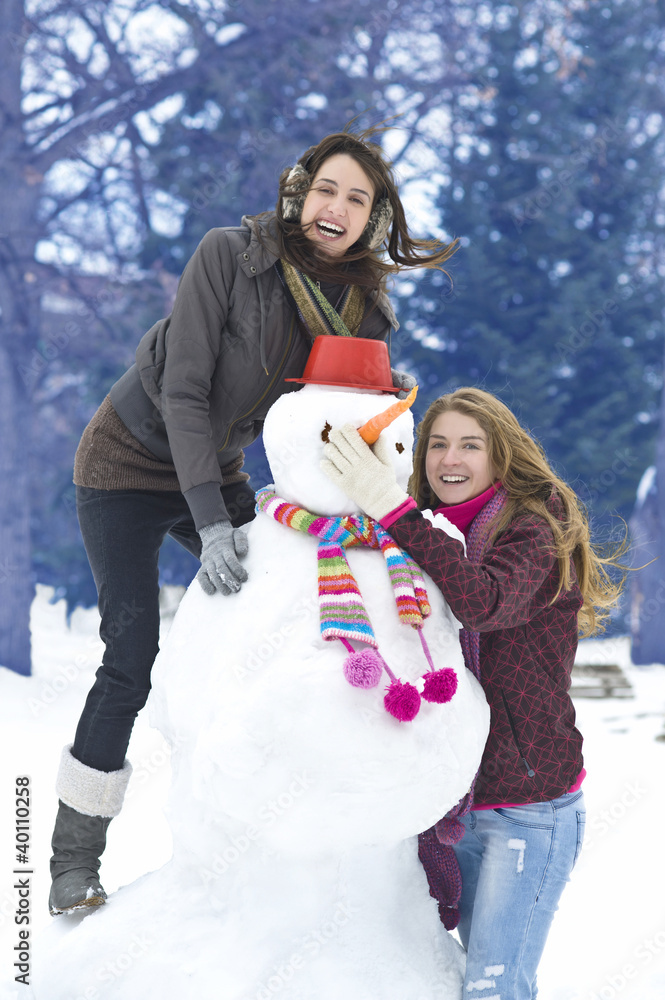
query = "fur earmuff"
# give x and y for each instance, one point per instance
(292, 205)
(378, 225)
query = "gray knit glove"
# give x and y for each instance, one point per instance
(403, 381)
(223, 546)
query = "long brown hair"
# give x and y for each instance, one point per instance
(358, 265)
(520, 464)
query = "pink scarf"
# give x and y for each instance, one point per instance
(462, 514)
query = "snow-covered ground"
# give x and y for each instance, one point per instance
(608, 939)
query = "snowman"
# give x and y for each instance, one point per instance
(320, 718)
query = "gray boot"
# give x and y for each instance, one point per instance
(89, 799)
(78, 843)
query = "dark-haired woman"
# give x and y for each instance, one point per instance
(163, 454)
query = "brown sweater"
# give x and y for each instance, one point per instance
(110, 458)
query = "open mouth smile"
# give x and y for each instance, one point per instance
(453, 479)
(329, 230)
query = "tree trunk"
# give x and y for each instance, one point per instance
(20, 318)
(19, 336)
(647, 585)
(16, 585)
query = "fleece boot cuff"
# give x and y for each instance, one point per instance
(91, 792)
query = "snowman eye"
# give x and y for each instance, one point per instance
(326, 431)
(399, 447)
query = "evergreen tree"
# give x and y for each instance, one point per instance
(553, 171)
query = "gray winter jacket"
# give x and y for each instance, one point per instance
(206, 375)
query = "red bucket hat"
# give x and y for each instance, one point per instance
(349, 362)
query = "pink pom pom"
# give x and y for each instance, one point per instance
(402, 700)
(363, 669)
(440, 685)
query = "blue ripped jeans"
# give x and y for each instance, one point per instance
(515, 863)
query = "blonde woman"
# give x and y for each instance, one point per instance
(528, 583)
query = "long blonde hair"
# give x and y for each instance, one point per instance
(520, 464)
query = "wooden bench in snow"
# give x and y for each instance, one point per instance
(599, 680)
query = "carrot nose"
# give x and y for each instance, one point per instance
(370, 431)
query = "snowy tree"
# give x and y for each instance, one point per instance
(552, 178)
(131, 128)
(128, 130)
(87, 91)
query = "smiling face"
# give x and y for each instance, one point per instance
(457, 461)
(338, 205)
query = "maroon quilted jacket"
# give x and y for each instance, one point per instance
(527, 647)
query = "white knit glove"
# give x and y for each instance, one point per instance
(223, 546)
(366, 476)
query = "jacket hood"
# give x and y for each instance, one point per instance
(262, 253)
(262, 249)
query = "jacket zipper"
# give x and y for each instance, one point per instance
(265, 392)
(261, 348)
(529, 770)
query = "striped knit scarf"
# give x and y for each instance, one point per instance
(435, 846)
(314, 309)
(342, 612)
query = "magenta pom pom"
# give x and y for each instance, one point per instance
(402, 700)
(363, 669)
(440, 685)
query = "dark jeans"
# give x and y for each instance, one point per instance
(123, 531)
